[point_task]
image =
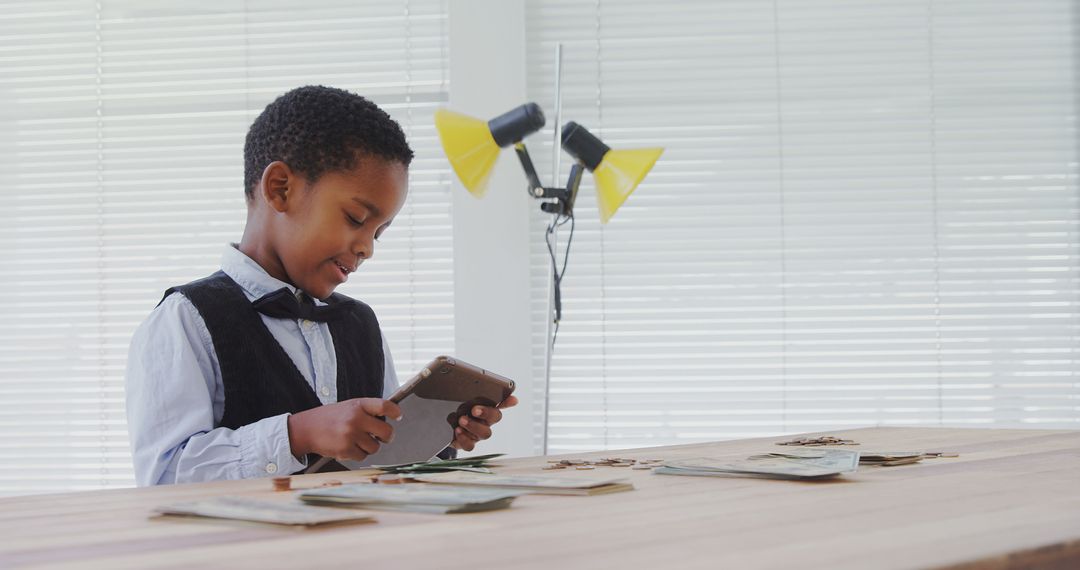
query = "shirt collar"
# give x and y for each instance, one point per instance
(255, 281)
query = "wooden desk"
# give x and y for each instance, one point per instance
(1012, 499)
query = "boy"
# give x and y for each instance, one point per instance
(259, 368)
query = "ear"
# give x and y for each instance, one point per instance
(278, 185)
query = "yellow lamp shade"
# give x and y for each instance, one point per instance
(469, 146)
(618, 174)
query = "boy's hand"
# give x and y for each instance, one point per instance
(344, 430)
(476, 426)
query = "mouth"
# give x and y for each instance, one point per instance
(345, 270)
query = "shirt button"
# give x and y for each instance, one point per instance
(271, 468)
(307, 324)
(325, 391)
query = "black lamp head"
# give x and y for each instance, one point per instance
(516, 124)
(583, 145)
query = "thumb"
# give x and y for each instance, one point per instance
(377, 407)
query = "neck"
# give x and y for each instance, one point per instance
(259, 250)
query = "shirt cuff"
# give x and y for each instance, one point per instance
(265, 450)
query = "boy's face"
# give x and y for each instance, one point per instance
(330, 227)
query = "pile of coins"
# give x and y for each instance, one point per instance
(282, 483)
(818, 441)
(583, 465)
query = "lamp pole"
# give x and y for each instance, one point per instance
(556, 154)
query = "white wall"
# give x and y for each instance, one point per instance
(491, 236)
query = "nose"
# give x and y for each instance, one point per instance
(363, 248)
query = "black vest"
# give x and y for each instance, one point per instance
(260, 379)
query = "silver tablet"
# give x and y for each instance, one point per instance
(431, 403)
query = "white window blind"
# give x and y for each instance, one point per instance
(866, 215)
(122, 132)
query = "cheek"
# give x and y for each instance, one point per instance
(301, 249)
(315, 237)
(320, 241)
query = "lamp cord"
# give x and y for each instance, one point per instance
(557, 273)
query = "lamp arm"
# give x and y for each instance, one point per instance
(527, 166)
(565, 196)
(572, 184)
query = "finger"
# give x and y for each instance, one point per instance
(367, 443)
(379, 429)
(465, 434)
(473, 420)
(391, 410)
(509, 402)
(488, 414)
(377, 407)
(475, 428)
(464, 440)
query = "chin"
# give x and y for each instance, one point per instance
(323, 292)
(317, 290)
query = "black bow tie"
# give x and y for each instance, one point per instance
(283, 304)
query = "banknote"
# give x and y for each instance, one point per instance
(413, 497)
(476, 464)
(539, 484)
(890, 458)
(794, 464)
(261, 511)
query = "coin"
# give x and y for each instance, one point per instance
(281, 483)
(818, 441)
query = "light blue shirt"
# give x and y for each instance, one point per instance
(175, 395)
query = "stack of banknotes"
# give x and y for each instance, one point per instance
(799, 464)
(413, 497)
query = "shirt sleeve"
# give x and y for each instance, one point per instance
(390, 378)
(172, 377)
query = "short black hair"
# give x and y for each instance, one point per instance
(316, 129)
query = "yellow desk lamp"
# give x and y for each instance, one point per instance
(473, 146)
(616, 172)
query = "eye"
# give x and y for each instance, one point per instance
(353, 221)
(379, 232)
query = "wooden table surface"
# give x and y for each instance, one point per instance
(1012, 499)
